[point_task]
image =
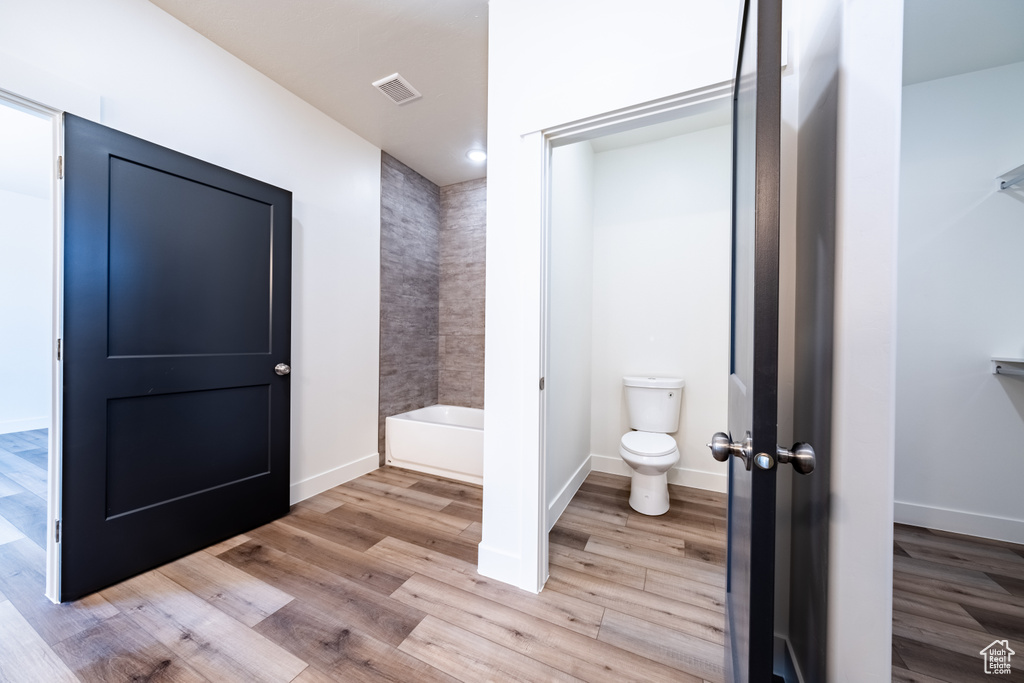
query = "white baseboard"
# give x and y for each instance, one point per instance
(602, 463)
(960, 522)
(561, 501)
(697, 479)
(307, 488)
(24, 425)
(501, 566)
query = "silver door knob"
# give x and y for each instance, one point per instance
(282, 369)
(800, 456)
(722, 447)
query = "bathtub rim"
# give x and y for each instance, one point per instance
(426, 410)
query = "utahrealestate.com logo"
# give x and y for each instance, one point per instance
(997, 657)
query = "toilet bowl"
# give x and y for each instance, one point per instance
(653, 406)
(650, 455)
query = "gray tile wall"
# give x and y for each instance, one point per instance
(410, 227)
(460, 348)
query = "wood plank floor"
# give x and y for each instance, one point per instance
(375, 580)
(953, 595)
(23, 486)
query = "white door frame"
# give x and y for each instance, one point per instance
(53, 478)
(629, 118)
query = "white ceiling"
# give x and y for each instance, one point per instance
(328, 52)
(949, 37)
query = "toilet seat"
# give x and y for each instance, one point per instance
(649, 444)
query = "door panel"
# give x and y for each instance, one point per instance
(753, 387)
(186, 445)
(176, 310)
(164, 228)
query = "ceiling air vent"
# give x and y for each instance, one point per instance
(397, 89)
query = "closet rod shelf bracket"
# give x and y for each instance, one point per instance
(1011, 178)
(1012, 367)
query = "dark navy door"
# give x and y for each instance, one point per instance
(177, 309)
(753, 383)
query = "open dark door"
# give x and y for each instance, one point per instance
(177, 287)
(753, 382)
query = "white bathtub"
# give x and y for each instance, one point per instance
(444, 440)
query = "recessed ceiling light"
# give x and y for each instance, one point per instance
(477, 155)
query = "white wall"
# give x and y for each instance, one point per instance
(662, 249)
(598, 57)
(570, 317)
(26, 288)
(160, 80)
(959, 462)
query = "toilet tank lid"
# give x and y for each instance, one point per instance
(653, 382)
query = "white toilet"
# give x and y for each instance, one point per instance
(653, 406)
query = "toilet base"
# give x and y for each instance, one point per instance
(648, 493)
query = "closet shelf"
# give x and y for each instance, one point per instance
(1013, 367)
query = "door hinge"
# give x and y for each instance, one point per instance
(542, 384)
(56, 531)
(60, 167)
(58, 349)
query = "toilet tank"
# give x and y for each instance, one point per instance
(653, 403)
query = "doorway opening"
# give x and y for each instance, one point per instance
(960, 338)
(637, 282)
(30, 282)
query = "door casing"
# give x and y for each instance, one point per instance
(53, 476)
